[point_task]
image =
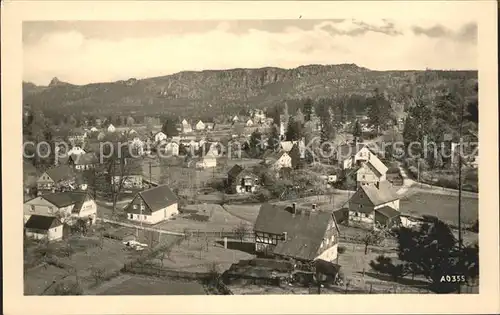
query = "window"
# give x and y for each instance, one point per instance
(134, 207)
(51, 209)
(131, 216)
(32, 208)
(361, 206)
(142, 207)
(366, 215)
(144, 217)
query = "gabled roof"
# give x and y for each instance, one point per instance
(287, 145)
(60, 173)
(377, 164)
(235, 171)
(272, 155)
(156, 198)
(305, 231)
(64, 199)
(84, 159)
(381, 194)
(41, 222)
(388, 212)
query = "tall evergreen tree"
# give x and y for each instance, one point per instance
(379, 111)
(308, 108)
(274, 139)
(293, 130)
(169, 127)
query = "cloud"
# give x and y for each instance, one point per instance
(467, 32)
(76, 56)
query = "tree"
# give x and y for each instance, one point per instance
(116, 169)
(433, 251)
(372, 238)
(293, 130)
(273, 142)
(275, 114)
(98, 274)
(379, 111)
(169, 127)
(130, 121)
(308, 105)
(299, 117)
(357, 131)
(241, 230)
(256, 145)
(473, 107)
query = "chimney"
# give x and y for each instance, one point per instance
(285, 236)
(377, 184)
(313, 207)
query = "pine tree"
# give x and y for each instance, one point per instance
(294, 130)
(308, 109)
(357, 131)
(274, 139)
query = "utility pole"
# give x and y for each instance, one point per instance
(150, 176)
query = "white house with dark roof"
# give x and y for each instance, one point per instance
(277, 160)
(111, 128)
(186, 126)
(67, 206)
(301, 234)
(43, 227)
(374, 204)
(83, 162)
(371, 171)
(56, 179)
(159, 136)
(153, 205)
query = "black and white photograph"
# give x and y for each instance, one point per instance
(286, 156)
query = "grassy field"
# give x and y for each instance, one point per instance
(443, 206)
(200, 254)
(142, 285)
(88, 254)
(219, 220)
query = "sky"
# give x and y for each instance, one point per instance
(82, 52)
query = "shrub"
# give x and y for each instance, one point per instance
(264, 195)
(341, 249)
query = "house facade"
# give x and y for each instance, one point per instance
(58, 178)
(42, 227)
(83, 162)
(111, 128)
(186, 127)
(67, 206)
(242, 181)
(153, 205)
(160, 136)
(374, 204)
(300, 234)
(172, 149)
(371, 172)
(200, 125)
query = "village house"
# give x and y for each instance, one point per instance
(235, 119)
(153, 205)
(207, 161)
(111, 128)
(371, 172)
(136, 146)
(352, 155)
(94, 129)
(83, 162)
(200, 126)
(374, 204)
(67, 206)
(171, 148)
(41, 227)
(76, 150)
(159, 136)
(299, 234)
(127, 178)
(186, 126)
(249, 123)
(56, 179)
(277, 160)
(240, 180)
